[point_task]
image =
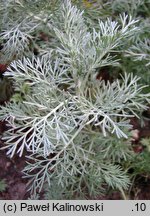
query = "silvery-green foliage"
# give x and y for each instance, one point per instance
(140, 51)
(93, 10)
(19, 24)
(16, 42)
(85, 51)
(49, 115)
(66, 120)
(130, 6)
(79, 167)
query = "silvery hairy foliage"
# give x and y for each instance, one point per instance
(66, 120)
(140, 51)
